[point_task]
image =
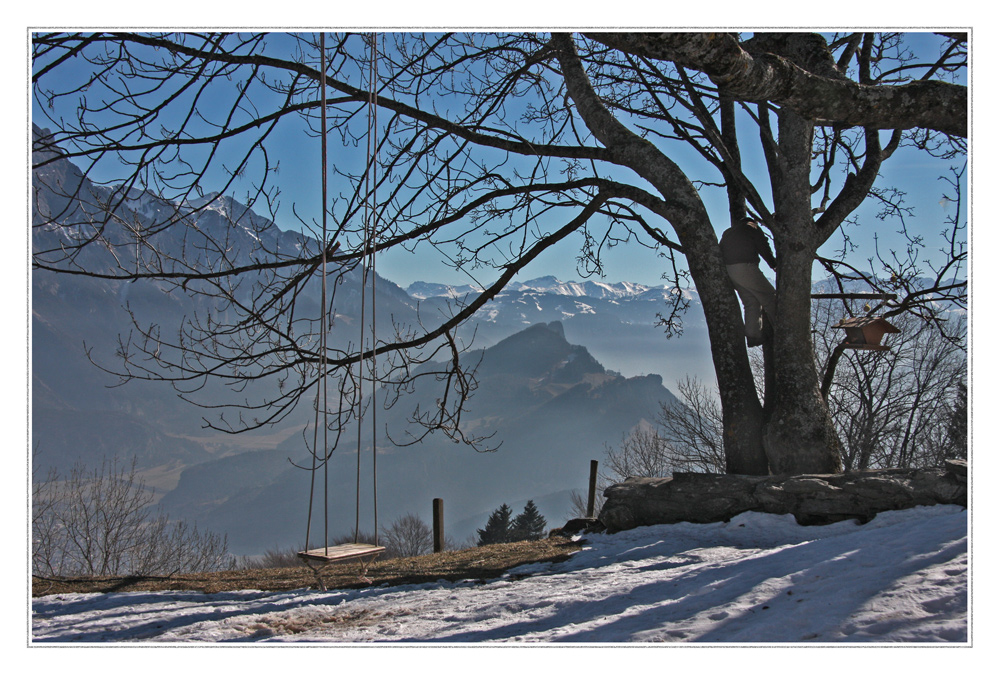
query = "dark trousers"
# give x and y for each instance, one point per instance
(757, 294)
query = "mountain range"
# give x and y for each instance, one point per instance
(616, 321)
(565, 367)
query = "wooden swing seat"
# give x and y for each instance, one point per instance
(329, 554)
(319, 559)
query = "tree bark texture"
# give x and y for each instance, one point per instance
(828, 97)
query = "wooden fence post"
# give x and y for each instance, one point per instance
(438, 525)
(592, 495)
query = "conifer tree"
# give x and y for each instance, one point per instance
(498, 527)
(529, 524)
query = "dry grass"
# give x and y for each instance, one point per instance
(484, 562)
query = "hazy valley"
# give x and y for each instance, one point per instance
(564, 369)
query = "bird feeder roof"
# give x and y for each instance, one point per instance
(867, 321)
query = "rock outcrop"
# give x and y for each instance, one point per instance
(813, 499)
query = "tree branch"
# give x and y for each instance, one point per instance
(760, 77)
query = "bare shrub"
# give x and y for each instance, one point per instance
(99, 522)
(692, 430)
(407, 536)
(578, 501)
(687, 436)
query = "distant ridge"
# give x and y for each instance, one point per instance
(600, 290)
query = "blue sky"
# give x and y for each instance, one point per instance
(911, 171)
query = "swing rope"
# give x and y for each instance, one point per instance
(321, 390)
(370, 236)
(368, 271)
(367, 268)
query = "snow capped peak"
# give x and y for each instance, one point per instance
(422, 290)
(212, 201)
(598, 290)
(601, 290)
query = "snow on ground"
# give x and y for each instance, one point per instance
(901, 578)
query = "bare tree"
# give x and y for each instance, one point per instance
(893, 408)
(642, 452)
(407, 536)
(692, 429)
(99, 522)
(687, 436)
(954, 440)
(45, 526)
(579, 500)
(544, 137)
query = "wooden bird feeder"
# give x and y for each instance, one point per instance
(863, 332)
(866, 332)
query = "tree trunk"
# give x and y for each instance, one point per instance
(743, 418)
(799, 436)
(742, 415)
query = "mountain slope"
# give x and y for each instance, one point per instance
(538, 390)
(550, 404)
(80, 413)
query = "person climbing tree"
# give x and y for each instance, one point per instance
(743, 245)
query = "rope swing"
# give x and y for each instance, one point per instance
(319, 558)
(368, 268)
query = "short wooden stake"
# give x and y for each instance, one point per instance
(592, 495)
(438, 525)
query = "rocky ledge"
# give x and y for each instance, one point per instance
(814, 499)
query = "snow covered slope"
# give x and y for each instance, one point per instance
(901, 578)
